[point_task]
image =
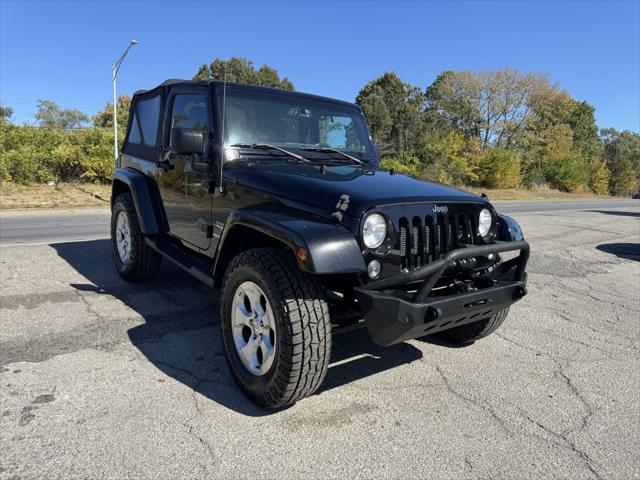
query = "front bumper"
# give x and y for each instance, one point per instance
(393, 316)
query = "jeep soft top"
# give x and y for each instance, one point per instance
(276, 200)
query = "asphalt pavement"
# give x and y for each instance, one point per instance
(104, 379)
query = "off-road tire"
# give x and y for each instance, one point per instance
(144, 262)
(471, 332)
(303, 333)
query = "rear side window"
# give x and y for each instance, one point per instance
(144, 125)
(149, 115)
(134, 134)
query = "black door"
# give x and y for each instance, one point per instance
(184, 180)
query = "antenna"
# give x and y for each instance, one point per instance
(224, 104)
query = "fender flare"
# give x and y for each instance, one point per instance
(509, 230)
(141, 192)
(332, 248)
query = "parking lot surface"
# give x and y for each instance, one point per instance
(104, 379)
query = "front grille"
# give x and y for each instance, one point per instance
(425, 239)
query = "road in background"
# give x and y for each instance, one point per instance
(41, 226)
(51, 226)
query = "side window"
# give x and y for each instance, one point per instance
(149, 114)
(134, 134)
(190, 111)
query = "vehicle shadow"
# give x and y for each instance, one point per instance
(628, 251)
(180, 335)
(616, 212)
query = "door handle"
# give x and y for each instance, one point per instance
(166, 165)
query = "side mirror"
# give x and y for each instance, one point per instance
(186, 141)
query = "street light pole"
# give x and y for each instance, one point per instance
(114, 75)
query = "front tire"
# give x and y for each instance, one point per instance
(134, 260)
(471, 332)
(264, 294)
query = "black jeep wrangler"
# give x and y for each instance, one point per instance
(275, 199)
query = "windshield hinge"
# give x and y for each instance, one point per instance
(341, 207)
(208, 229)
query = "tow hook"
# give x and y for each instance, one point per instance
(468, 286)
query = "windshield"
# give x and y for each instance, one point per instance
(293, 122)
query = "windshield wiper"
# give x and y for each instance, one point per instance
(268, 146)
(334, 150)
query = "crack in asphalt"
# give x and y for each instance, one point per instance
(589, 412)
(472, 401)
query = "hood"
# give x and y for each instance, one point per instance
(300, 183)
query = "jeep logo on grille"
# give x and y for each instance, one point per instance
(440, 209)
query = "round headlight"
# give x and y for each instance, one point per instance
(484, 222)
(374, 230)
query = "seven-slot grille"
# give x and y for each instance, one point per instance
(425, 239)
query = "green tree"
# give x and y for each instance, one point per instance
(104, 118)
(241, 70)
(582, 120)
(393, 110)
(621, 152)
(50, 115)
(5, 114)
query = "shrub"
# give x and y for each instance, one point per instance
(599, 180)
(567, 173)
(409, 166)
(33, 154)
(499, 168)
(450, 157)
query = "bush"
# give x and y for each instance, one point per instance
(409, 166)
(567, 173)
(450, 158)
(37, 155)
(599, 180)
(499, 168)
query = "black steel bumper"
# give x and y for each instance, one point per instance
(393, 316)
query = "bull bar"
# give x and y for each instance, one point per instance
(393, 316)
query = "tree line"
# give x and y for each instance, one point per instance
(497, 129)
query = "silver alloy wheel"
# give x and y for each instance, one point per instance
(254, 328)
(123, 237)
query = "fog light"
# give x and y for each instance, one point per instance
(491, 256)
(373, 269)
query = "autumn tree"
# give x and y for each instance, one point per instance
(492, 106)
(241, 70)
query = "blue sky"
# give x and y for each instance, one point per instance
(64, 50)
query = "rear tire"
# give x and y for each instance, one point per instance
(134, 260)
(301, 338)
(475, 331)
